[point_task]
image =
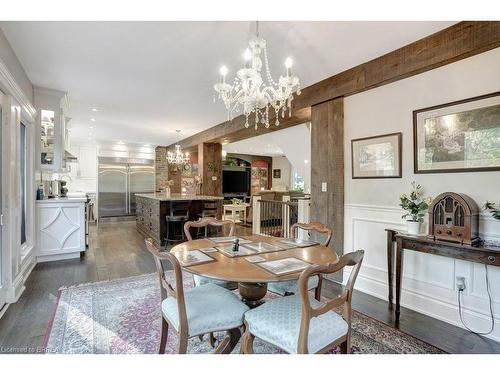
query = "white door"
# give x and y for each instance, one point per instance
(3, 258)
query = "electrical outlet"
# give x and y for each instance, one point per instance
(460, 282)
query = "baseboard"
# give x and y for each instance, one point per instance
(18, 287)
(50, 258)
(434, 308)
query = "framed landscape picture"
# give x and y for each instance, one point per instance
(462, 136)
(377, 157)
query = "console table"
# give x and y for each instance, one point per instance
(425, 244)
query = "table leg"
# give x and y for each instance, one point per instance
(399, 274)
(229, 341)
(390, 265)
(252, 293)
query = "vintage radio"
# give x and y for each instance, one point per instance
(454, 217)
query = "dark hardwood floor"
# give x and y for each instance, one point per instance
(117, 250)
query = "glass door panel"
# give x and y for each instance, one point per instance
(47, 137)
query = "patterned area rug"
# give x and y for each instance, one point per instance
(123, 316)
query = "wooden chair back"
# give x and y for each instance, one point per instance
(175, 289)
(345, 298)
(314, 227)
(206, 221)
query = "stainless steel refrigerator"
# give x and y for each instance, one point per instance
(118, 182)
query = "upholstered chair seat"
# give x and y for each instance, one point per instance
(278, 322)
(284, 288)
(302, 324)
(202, 280)
(193, 312)
(209, 308)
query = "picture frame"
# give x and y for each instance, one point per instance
(276, 173)
(460, 136)
(377, 156)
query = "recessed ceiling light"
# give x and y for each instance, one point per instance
(92, 119)
(94, 109)
(91, 127)
(306, 161)
(120, 142)
(147, 145)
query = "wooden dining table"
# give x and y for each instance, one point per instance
(252, 279)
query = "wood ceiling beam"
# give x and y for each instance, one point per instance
(232, 131)
(459, 41)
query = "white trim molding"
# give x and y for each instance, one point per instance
(9, 83)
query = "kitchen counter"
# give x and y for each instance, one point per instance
(152, 210)
(62, 200)
(179, 197)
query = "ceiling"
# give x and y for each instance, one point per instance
(147, 79)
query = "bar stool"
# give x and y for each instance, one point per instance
(178, 215)
(208, 209)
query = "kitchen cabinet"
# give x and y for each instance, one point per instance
(60, 228)
(51, 130)
(87, 162)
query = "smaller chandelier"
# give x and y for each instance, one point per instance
(177, 157)
(248, 91)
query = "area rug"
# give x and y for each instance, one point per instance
(123, 317)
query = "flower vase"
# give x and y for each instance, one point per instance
(413, 227)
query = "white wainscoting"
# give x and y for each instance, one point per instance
(428, 280)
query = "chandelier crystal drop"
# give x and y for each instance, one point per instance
(178, 157)
(250, 94)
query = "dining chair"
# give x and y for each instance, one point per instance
(204, 223)
(286, 288)
(203, 309)
(300, 323)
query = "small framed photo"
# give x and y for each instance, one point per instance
(377, 157)
(276, 173)
(462, 136)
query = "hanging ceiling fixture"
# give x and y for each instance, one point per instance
(249, 92)
(177, 157)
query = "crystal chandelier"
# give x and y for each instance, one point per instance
(177, 157)
(248, 91)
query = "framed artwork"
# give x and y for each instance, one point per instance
(462, 136)
(276, 173)
(377, 157)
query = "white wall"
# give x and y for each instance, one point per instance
(372, 205)
(282, 163)
(295, 142)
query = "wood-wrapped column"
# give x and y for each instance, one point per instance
(327, 168)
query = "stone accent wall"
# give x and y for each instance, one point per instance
(161, 168)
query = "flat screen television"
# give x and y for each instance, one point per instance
(235, 182)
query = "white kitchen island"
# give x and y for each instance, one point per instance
(60, 228)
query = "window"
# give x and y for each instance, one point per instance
(22, 180)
